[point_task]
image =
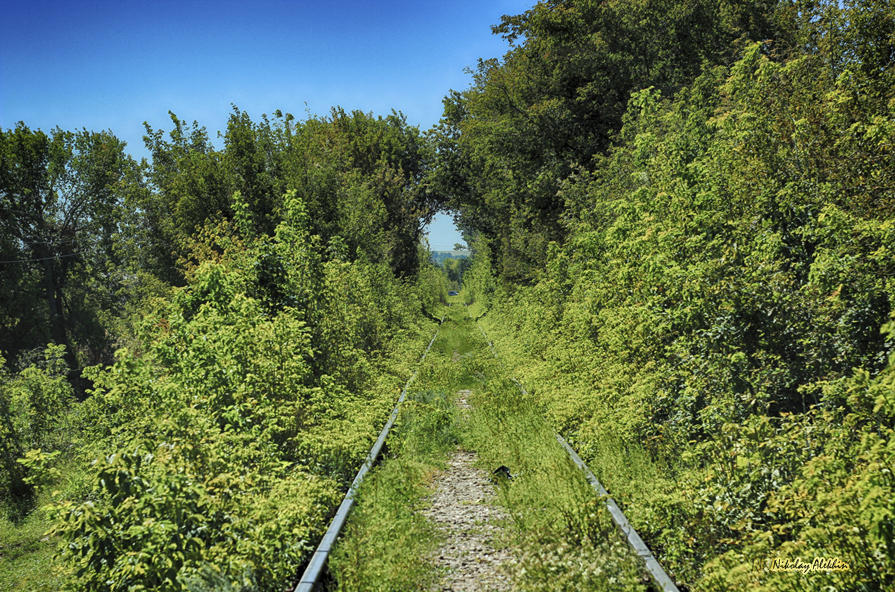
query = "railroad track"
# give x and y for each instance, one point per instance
(312, 575)
(313, 572)
(657, 574)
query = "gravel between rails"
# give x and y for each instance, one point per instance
(462, 506)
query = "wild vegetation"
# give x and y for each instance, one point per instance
(681, 221)
(559, 532)
(269, 299)
(454, 268)
(700, 298)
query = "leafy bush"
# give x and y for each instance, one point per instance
(714, 315)
(156, 519)
(228, 442)
(35, 425)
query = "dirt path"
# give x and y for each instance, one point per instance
(463, 507)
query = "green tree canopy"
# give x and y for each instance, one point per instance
(60, 207)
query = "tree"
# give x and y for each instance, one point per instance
(189, 186)
(556, 100)
(59, 206)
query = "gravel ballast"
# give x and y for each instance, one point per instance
(463, 508)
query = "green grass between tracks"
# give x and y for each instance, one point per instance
(559, 531)
(386, 541)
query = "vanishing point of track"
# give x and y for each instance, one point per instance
(315, 569)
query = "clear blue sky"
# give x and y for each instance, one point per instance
(115, 64)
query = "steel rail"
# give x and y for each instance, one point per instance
(311, 576)
(652, 565)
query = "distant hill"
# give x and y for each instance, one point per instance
(438, 257)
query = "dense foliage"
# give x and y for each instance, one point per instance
(270, 296)
(60, 211)
(557, 99)
(680, 216)
(454, 268)
(236, 427)
(710, 311)
(34, 426)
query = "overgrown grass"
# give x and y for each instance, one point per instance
(559, 530)
(26, 554)
(562, 533)
(387, 540)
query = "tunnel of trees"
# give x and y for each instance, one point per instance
(680, 217)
